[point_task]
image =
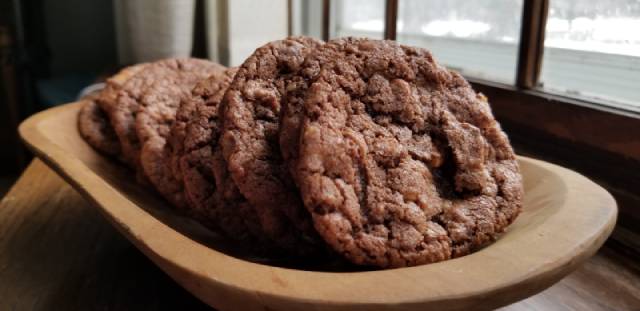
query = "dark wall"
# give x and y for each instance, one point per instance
(80, 35)
(60, 37)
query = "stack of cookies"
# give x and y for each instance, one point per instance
(363, 148)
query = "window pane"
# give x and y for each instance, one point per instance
(592, 48)
(477, 38)
(306, 18)
(358, 18)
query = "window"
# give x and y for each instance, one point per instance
(358, 18)
(572, 98)
(234, 32)
(477, 38)
(306, 18)
(592, 49)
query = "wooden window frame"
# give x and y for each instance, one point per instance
(591, 136)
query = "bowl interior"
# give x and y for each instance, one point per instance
(538, 204)
(565, 219)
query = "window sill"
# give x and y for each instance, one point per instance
(589, 122)
(599, 141)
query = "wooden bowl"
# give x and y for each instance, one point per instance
(566, 218)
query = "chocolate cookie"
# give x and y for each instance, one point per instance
(122, 101)
(399, 161)
(204, 99)
(194, 147)
(94, 127)
(155, 115)
(250, 136)
(93, 123)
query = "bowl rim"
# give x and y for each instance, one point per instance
(158, 241)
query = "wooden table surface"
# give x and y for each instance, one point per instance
(58, 253)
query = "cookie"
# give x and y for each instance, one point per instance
(155, 114)
(94, 127)
(399, 161)
(193, 144)
(204, 102)
(121, 101)
(250, 136)
(93, 123)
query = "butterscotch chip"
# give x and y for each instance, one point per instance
(250, 138)
(398, 160)
(156, 111)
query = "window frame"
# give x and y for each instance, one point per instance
(530, 56)
(584, 134)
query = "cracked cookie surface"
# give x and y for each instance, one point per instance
(250, 139)
(397, 159)
(197, 161)
(95, 128)
(93, 122)
(154, 117)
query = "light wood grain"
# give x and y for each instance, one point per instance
(565, 220)
(58, 253)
